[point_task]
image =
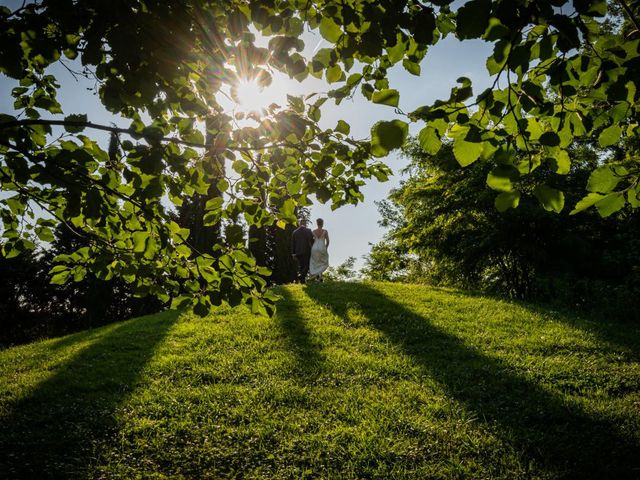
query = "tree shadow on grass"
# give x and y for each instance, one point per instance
(550, 434)
(59, 429)
(298, 337)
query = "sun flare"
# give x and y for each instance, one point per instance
(252, 96)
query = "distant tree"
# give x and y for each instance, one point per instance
(344, 272)
(444, 225)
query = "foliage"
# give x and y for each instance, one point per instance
(344, 272)
(444, 228)
(164, 85)
(32, 308)
(162, 68)
(391, 261)
(349, 381)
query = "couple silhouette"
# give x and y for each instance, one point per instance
(310, 249)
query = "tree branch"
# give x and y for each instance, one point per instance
(106, 128)
(630, 14)
(131, 132)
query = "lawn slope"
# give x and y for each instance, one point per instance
(365, 380)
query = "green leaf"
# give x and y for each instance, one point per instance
(343, 127)
(594, 8)
(353, 79)
(81, 118)
(314, 114)
(386, 136)
(214, 204)
(386, 97)
(460, 94)
(202, 308)
(207, 272)
(330, 30)
(294, 187)
(473, 18)
(334, 74)
(338, 169)
(429, 140)
(140, 241)
(466, 152)
(551, 139)
(633, 195)
(496, 62)
(610, 135)
(560, 162)
(604, 179)
(222, 185)
(507, 200)
(396, 53)
(551, 199)
(501, 178)
(495, 31)
(412, 67)
(61, 277)
(296, 103)
(45, 234)
(239, 166)
(610, 204)
(588, 201)
(288, 209)
(183, 301)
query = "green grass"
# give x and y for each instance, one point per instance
(348, 381)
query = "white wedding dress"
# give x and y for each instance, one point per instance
(319, 261)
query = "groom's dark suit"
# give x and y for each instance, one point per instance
(301, 241)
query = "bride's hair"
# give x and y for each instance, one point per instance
(320, 222)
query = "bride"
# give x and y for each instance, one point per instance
(319, 256)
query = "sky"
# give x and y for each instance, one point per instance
(352, 228)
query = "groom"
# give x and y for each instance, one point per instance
(301, 241)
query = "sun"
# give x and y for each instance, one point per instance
(251, 96)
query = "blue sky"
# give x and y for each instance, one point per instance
(352, 228)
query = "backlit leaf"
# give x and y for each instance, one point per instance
(501, 178)
(605, 178)
(466, 152)
(387, 97)
(429, 140)
(588, 201)
(610, 204)
(507, 200)
(551, 199)
(610, 135)
(386, 136)
(330, 30)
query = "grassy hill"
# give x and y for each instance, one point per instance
(348, 381)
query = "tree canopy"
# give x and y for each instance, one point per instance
(562, 72)
(444, 229)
